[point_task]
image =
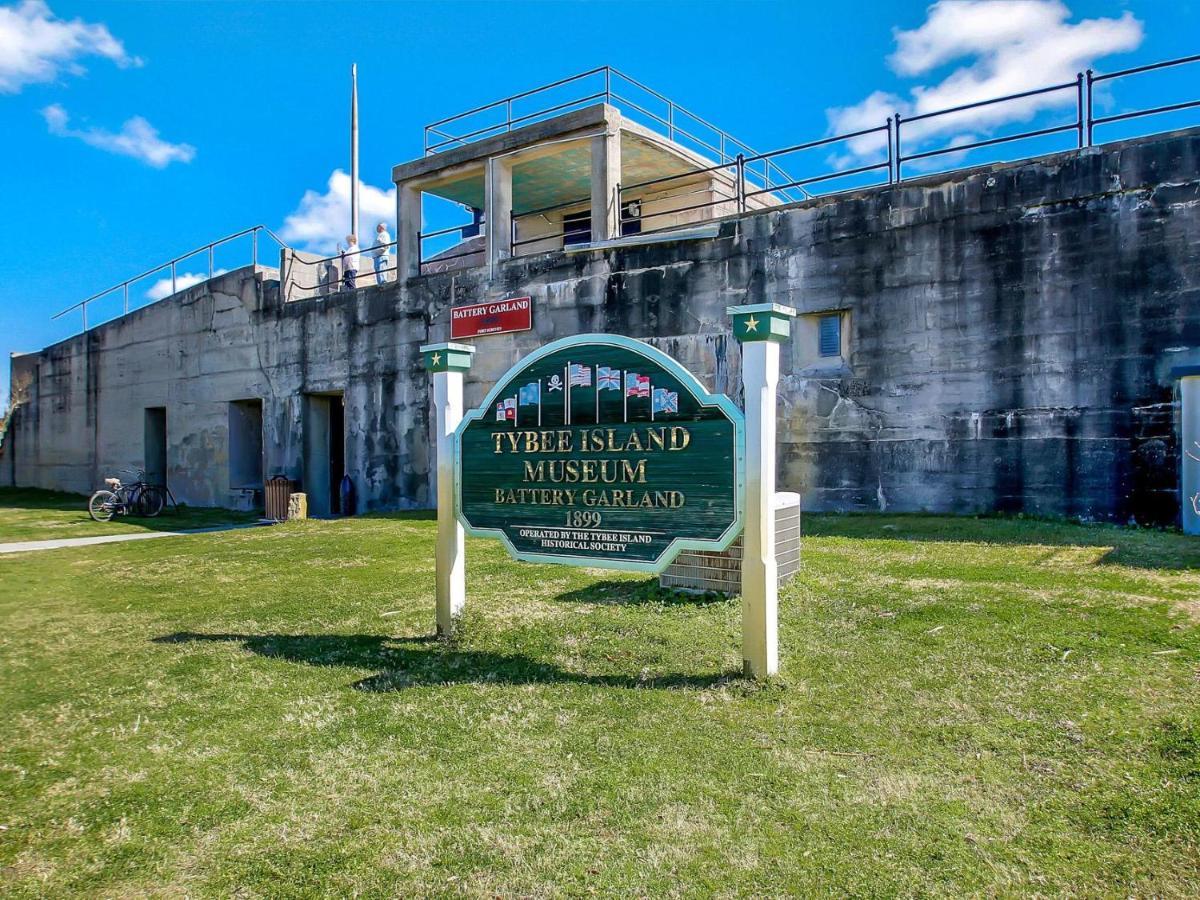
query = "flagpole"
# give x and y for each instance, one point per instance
(652, 401)
(354, 149)
(567, 399)
(597, 395)
(539, 403)
(624, 398)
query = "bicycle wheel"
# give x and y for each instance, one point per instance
(102, 505)
(151, 500)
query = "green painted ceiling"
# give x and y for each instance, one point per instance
(566, 176)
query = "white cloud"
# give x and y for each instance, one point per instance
(35, 45)
(137, 138)
(183, 280)
(320, 221)
(1005, 47)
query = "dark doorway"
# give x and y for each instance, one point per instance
(337, 451)
(246, 449)
(324, 452)
(154, 438)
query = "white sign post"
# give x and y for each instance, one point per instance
(1189, 439)
(760, 327)
(446, 364)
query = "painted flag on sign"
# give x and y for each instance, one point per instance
(510, 408)
(608, 379)
(531, 394)
(500, 416)
(665, 401)
(637, 385)
(580, 375)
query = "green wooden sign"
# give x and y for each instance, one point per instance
(600, 450)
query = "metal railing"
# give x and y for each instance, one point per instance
(1093, 79)
(759, 175)
(1084, 123)
(439, 257)
(680, 125)
(331, 275)
(172, 265)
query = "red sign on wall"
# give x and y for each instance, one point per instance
(498, 317)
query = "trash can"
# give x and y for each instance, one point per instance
(278, 491)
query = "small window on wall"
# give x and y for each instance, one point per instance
(631, 217)
(577, 228)
(829, 336)
(819, 340)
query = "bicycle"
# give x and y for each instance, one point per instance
(139, 498)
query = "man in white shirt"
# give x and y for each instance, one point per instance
(381, 251)
(350, 263)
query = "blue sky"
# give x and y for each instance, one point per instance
(136, 131)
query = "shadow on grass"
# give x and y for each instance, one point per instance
(633, 593)
(427, 661)
(1144, 548)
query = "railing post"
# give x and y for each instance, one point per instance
(1079, 109)
(739, 189)
(254, 247)
(126, 286)
(899, 153)
(210, 260)
(1090, 123)
(173, 276)
(891, 162)
(508, 115)
(83, 306)
(608, 85)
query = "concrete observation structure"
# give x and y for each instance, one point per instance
(998, 338)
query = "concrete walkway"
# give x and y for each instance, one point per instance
(58, 543)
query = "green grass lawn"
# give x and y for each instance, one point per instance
(30, 514)
(967, 706)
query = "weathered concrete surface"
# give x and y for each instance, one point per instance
(1011, 335)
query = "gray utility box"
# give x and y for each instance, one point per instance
(701, 571)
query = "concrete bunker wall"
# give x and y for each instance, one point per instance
(1009, 334)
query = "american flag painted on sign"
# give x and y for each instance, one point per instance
(580, 375)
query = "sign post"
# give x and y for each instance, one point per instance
(1189, 439)
(760, 328)
(446, 364)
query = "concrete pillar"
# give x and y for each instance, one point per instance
(446, 364)
(606, 176)
(1189, 439)
(498, 209)
(408, 227)
(760, 327)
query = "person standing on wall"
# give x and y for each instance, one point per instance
(350, 263)
(380, 252)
